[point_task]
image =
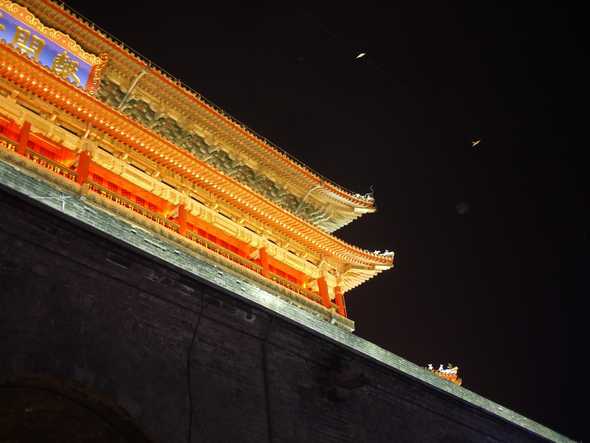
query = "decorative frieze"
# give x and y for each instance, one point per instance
(141, 111)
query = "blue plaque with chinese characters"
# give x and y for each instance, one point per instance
(49, 47)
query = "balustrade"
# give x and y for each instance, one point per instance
(64, 171)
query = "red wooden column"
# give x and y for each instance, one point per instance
(23, 138)
(83, 167)
(181, 220)
(264, 262)
(340, 301)
(324, 292)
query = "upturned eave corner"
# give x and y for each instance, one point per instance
(227, 130)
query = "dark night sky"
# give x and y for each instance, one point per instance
(496, 290)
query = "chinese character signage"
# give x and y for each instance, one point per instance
(49, 47)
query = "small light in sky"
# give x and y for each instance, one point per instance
(475, 142)
(462, 208)
(361, 54)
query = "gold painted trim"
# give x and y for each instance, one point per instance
(96, 74)
(24, 15)
(66, 97)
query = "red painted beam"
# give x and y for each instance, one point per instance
(23, 138)
(340, 301)
(264, 262)
(181, 220)
(324, 292)
(83, 167)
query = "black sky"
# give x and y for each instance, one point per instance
(494, 287)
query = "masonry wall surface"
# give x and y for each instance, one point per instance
(175, 355)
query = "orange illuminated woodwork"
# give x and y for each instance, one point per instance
(89, 171)
(264, 262)
(212, 233)
(176, 217)
(83, 167)
(48, 149)
(339, 299)
(26, 139)
(324, 292)
(108, 121)
(126, 189)
(23, 139)
(271, 265)
(181, 220)
(9, 128)
(286, 271)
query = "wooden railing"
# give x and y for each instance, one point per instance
(40, 159)
(52, 165)
(7, 143)
(70, 174)
(224, 252)
(296, 288)
(113, 196)
(252, 266)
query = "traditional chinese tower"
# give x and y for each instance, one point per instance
(89, 115)
(166, 275)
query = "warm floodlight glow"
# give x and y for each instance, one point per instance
(148, 183)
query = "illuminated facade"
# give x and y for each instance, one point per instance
(95, 120)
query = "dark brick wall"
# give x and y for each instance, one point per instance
(85, 309)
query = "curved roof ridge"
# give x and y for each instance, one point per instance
(354, 198)
(324, 241)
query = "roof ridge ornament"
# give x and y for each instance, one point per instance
(450, 373)
(369, 196)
